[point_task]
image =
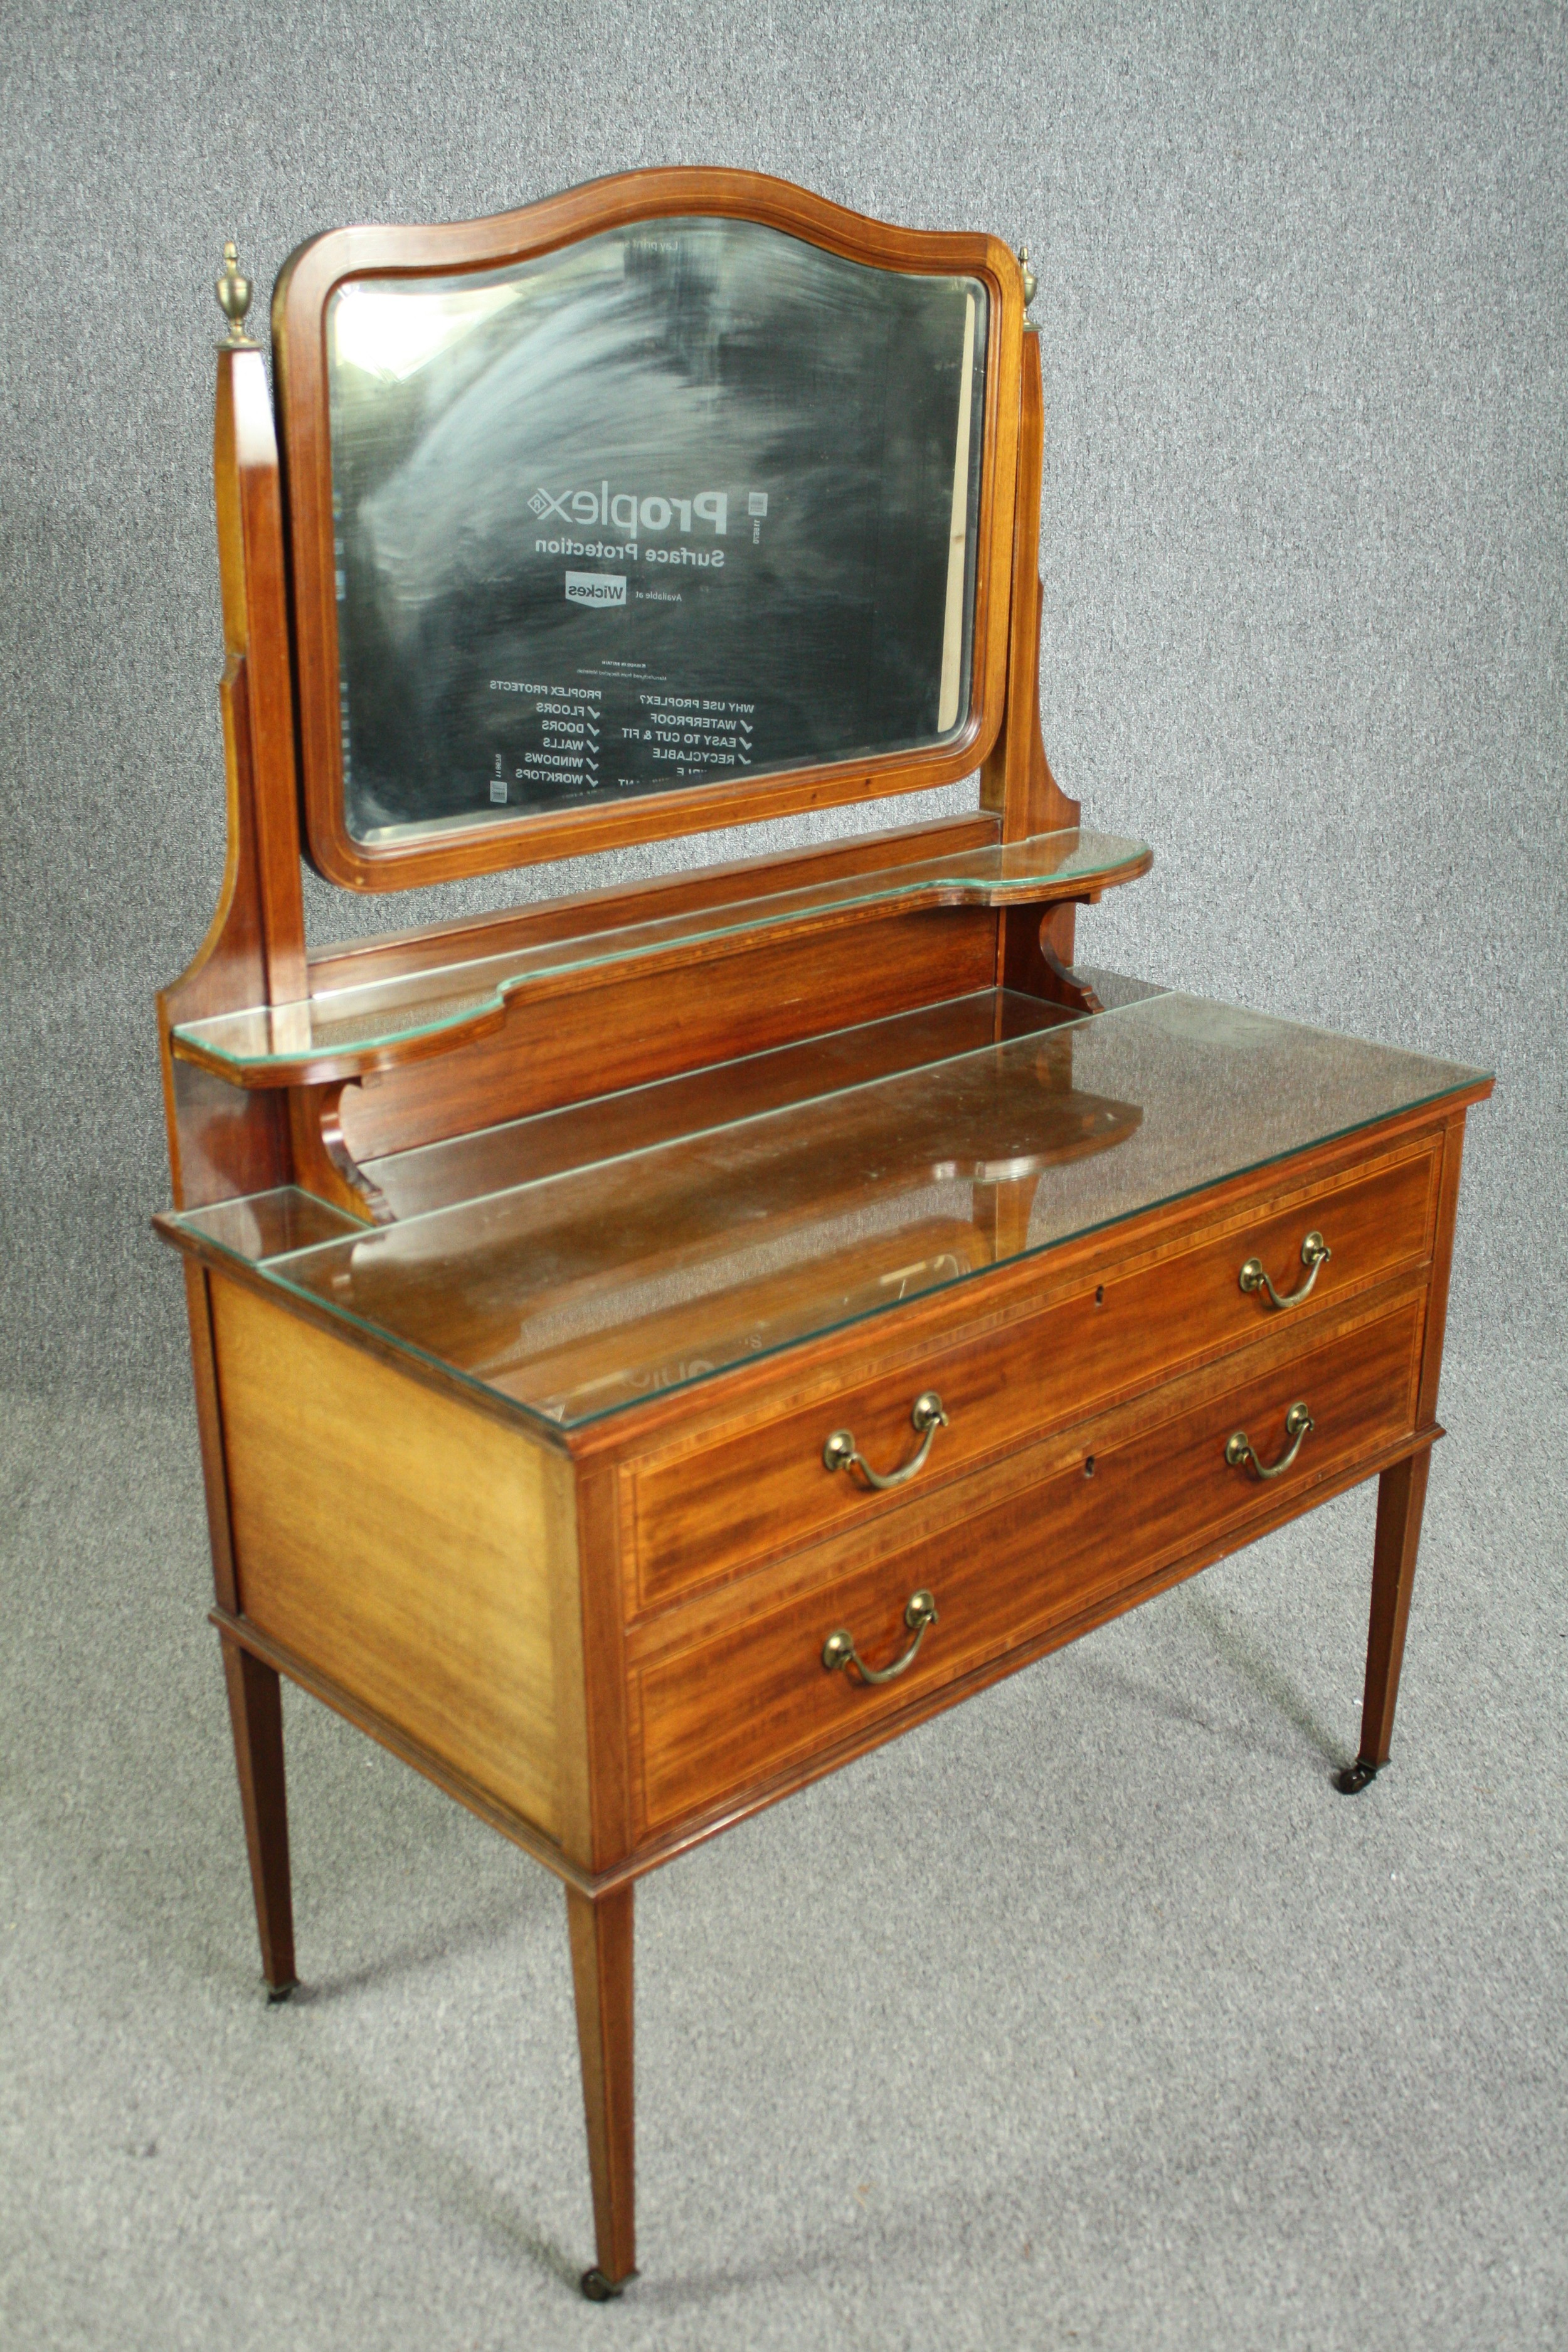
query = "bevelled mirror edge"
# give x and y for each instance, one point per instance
(302, 297)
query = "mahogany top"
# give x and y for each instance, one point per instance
(583, 1263)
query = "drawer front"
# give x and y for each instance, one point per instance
(1039, 1542)
(701, 1513)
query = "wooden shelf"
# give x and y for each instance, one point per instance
(338, 1035)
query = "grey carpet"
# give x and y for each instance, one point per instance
(1089, 2015)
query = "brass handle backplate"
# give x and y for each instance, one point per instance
(838, 1649)
(841, 1454)
(1315, 1252)
(1238, 1453)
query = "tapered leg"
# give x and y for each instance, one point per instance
(1401, 1495)
(601, 1932)
(256, 1711)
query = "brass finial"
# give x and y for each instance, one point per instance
(1031, 283)
(234, 299)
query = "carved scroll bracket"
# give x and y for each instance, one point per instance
(1036, 959)
(1062, 985)
(324, 1163)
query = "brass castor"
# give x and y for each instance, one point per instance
(1354, 1778)
(600, 2289)
(278, 1994)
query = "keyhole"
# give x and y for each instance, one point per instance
(1089, 1466)
(1100, 1296)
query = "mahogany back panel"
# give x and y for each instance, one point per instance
(628, 1032)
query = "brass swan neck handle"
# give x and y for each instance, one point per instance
(840, 1451)
(838, 1649)
(1315, 1253)
(1239, 1451)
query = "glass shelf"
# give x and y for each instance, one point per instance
(348, 1032)
(590, 1289)
(516, 1152)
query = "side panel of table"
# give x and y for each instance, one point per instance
(419, 1555)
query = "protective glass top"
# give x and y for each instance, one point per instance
(691, 500)
(364, 1020)
(589, 1290)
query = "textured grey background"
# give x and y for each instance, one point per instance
(1085, 2017)
(1302, 305)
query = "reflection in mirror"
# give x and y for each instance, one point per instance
(686, 502)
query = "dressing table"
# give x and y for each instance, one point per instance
(653, 1345)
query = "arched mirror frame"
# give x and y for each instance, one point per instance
(300, 311)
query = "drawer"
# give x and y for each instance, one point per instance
(700, 1512)
(1050, 1536)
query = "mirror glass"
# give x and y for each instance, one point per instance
(688, 501)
